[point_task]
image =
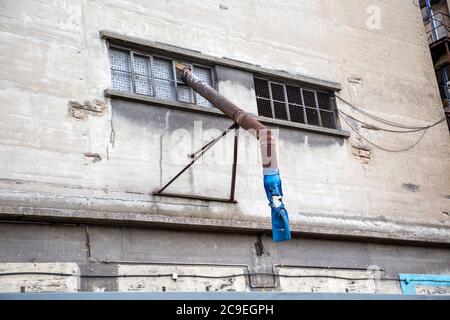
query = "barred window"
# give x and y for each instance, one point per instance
(154, 76)
(296, 104)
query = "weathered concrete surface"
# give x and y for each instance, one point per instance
(23, 282)
(115, 251)
(181, 278)
(424, 290)
(59, 57)
(238, 86)
(331, 281)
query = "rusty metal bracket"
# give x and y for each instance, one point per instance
(197, 155)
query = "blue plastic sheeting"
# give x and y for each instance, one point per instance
(251, 296)
(281, 230)
(409, 282)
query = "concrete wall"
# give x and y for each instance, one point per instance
(58, 162)
(105, 259)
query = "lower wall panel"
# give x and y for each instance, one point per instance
(102, 258)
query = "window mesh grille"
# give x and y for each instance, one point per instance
(153, 76)
(295, 104)
(262, 88)
(142, 75)
(310, 99)
(328, 120)
(184, 93)
(280, 110)
(294, 95)
(120, 70)
(297, 113)
(312, 116)
(324, 100)
(264, 108)
(162, 69)
(277, 92)
(205, 75)
(163, 77)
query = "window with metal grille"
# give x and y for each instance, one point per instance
(154, 76)
(296, 104)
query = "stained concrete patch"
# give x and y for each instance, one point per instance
(290, 136)
(92, 157)
(411, 187)
(300, 137)
(81, 111)
(323, 141)
(163, 119)
(239, 77)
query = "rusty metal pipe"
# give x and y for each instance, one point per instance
(272, 181)
(243, 119)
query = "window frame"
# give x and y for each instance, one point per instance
(156, 48)
(175, 81)
(302, 88)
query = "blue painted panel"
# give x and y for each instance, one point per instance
(410, 281)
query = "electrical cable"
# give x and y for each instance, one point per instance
(206, 276)
(383, 148)
(388, 122)
(374, 127)
(405, 128)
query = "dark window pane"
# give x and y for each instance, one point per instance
(312, 117)
(296, 113)
(324, 100)
(264, 108)
(277, 92)
(280, 110)
(303, 105)
(328, 120)
(141, 71)
(262, 88)
(310, 99)
(294, 94)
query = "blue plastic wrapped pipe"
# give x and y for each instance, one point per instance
(280, 219)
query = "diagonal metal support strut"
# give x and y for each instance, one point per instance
(196, 156)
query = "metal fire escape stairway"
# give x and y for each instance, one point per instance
(438, 37)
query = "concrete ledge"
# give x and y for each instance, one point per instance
(110, 93)
(197, 56)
